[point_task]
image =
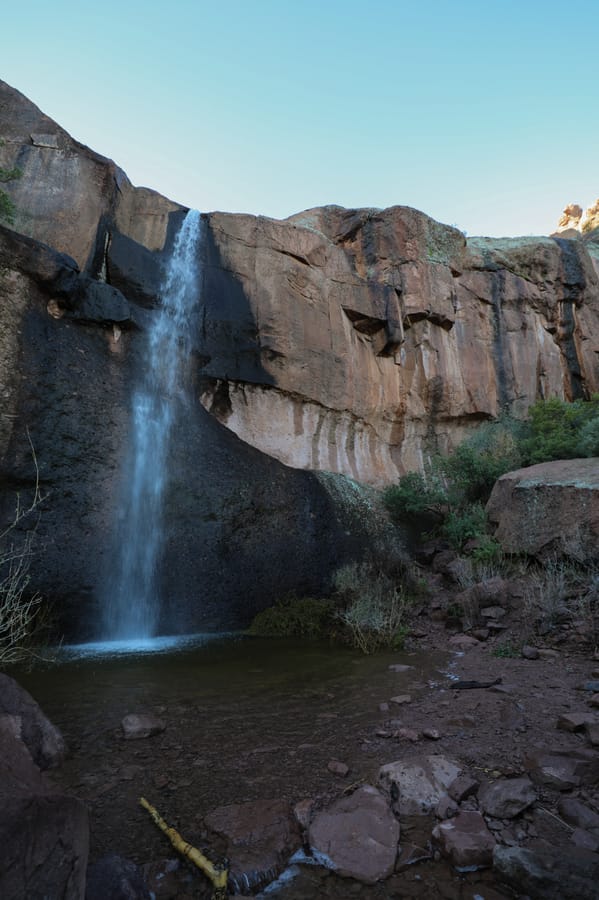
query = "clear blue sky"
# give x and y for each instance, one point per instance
(484, 115)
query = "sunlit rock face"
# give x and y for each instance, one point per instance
(383, 335)
(356, 342)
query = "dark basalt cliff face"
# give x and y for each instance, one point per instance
(349, 341)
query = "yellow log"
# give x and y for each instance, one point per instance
(217, 874)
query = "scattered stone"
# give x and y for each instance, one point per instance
(115, 878)
(410, 854)
(563, 769)
(400, 699)
(432, 734)
(465, 721)
(577, 813)
(446, 808)
(493, 612)
(399, 667)
(594, 700)
(384, 707)
(465, 840)
(302, 812)
(261, 836)
(592, 732)
(140, 726)
(584, 839)
(416, 786)
(43, 740)
(548, 654)
(408, 734)
(511, 716)
(481, 634)
(338, 768)
(462, 787)
(507, 798)
(358, 835)
(529, 652)
(575, 721)
(463, 641)
(547, 874)
(383, 733)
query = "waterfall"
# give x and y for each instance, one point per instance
(132, 609)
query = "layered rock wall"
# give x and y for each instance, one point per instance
(352, 341)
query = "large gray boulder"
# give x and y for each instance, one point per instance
(548, 509)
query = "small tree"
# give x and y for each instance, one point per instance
(7, 207)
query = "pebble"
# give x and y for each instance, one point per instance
(401, 698)
(338, 768)
(431, 733)
(399, 667)
(529, 652)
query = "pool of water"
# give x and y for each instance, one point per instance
(246, 718)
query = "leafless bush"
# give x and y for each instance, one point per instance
(19, 609)
(375, 610)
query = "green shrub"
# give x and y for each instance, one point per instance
(557, 428)
(464, 524)
(474, 467)
(306, 618)
(588, 438)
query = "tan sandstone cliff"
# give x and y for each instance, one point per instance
(357, 341)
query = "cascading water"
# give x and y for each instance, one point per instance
(132, 609)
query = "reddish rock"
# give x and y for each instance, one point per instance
(446, 808)
(506, 798)
(338, 768)
(358, 836)
(462, 787)
(576, 721)
(463, 641)
(563, 769)
(24, 719)
(44, 834)
(465, 840)
(260, 836)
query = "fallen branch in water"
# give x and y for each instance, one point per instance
(217, 874)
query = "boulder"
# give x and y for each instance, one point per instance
(577, 813)
(506, 798)
(417, 785)
(44, 834)
(357, 836)
(259, 836)
(548, 509)
(544, 874)
(27, 722)
(465, 840)
(562, 769)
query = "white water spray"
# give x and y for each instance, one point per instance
(133, 607)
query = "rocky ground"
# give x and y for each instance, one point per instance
(479, 756)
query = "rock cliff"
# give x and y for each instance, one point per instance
(349, 341)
